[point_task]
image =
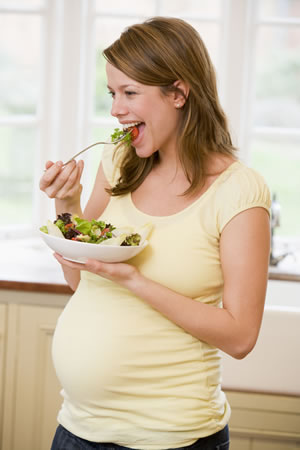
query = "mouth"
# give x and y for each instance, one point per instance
(133, 128)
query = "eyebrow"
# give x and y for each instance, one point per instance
(123, 86)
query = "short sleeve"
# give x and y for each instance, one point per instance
(243, 189)
(111, 160)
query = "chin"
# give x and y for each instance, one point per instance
(144, 153)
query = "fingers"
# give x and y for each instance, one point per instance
(49, 164)
(64, 176)
(66, 184)
(70, 264)
(52, 171)
(72, 186)
(91, 265)
(62, 182)
(98, 267)
(120, 273)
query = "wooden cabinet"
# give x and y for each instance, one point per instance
(264, 421)
(3, 322)
(30, 389)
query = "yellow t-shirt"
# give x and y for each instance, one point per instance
(130, 376)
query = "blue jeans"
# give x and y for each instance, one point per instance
(64, 440)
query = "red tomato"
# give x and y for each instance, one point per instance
(134, 133)
(104, 231)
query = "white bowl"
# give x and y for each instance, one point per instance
(81, 251)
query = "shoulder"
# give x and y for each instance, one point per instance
(241, 188)
(240, 179)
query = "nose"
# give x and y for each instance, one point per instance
(119, 107)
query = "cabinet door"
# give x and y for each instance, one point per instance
(264, 421)
(271, 444)
(31, 399)
(238, 443)
(3, 309)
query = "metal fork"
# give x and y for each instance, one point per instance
(93, 145)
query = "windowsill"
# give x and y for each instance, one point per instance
(28, 264)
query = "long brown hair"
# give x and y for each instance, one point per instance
(158, 52)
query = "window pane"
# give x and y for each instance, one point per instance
(107, 31)
(279, 8)
(24, 4)
(210, 34)
(20, 49)
(134, 7)
(99, 133)
(278, 160)
(190, 8)
(92, 158)
(16, 174)
(277, 101)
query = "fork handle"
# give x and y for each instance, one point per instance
(79, 153)
(82, 151)
(93, 145)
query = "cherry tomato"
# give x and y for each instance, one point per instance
(134, 133)
(104, 231)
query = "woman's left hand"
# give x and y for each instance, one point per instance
(120, 273)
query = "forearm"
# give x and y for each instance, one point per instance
(214, 325)
(72, 277)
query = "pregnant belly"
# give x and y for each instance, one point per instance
(105, 349)
(88, 352)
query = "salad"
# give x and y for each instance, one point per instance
(131, 128)
(74, 228)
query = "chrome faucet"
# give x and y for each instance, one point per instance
(275, 222)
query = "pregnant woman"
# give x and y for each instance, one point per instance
(137, 348)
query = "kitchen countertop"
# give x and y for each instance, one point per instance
(29, 265)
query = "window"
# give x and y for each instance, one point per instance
(21, 50)
(53, 95)
(274, 121)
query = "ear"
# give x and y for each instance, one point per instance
(181, 93)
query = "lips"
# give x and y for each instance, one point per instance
(135, 128)
(127, 126)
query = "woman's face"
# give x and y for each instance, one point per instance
(135, 102)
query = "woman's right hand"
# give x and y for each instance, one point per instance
(63, 182)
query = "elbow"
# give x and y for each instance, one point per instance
(72, 278)
(73, 284)
(242, 348)
(241, 354)
(73, 287)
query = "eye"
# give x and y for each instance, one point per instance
(111, 93)
(130, 93)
